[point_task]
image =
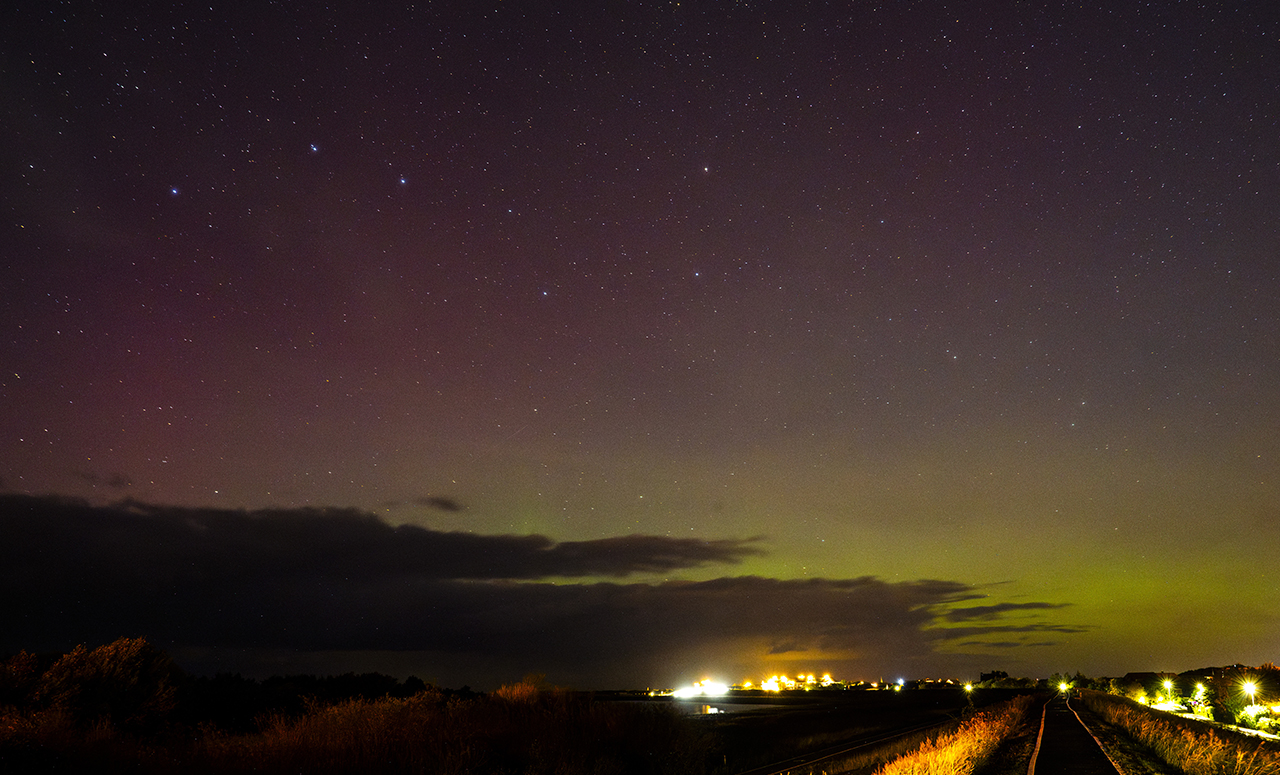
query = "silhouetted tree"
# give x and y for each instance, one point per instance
(128, 682)
(19, 676)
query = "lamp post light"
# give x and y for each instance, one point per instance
(1249, 688)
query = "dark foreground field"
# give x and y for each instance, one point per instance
(811, 721)
(126, 708)
(518, 729)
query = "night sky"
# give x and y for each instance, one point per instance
(633, 343)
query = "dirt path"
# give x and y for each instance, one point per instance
(1066, 746)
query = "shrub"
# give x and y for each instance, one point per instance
(128, 683)
(524, 692)
(18, 679)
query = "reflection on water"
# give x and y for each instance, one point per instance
(707, 709)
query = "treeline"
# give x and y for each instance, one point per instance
(137, 688)
(236, 704)
(1234, 694)
(127, 707)
(999, 679)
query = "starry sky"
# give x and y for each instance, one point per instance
(639, 342)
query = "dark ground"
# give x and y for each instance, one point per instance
(752, 738)
(1129, 755)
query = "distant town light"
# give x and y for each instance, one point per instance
(704, 688)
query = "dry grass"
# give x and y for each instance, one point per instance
(53, 741)
(866, 761)
(963, 751)
(518, 729)
(1193, 747)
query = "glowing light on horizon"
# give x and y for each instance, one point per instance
(703, 688)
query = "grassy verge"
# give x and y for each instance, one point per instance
(966, 749)
(866, 761)
(1193, 747)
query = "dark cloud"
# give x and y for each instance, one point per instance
(324, 543)
(958, 633)
(440, 504)
(227, 588)
(785, 648)
(990, 612)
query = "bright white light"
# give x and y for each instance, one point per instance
(707, 688)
